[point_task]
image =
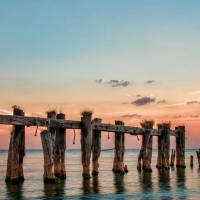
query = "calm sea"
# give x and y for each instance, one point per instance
(160, 184)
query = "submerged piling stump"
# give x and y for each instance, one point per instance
(86, 142)
(191, 161)
(198, 157)
(48, 156)
(14, 172)
(96, 148)
(59, 150)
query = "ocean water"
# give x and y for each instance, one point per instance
(160, 184)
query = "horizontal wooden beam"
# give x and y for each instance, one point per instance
(70, 124)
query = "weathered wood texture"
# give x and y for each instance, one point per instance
(86, 144)
(59, 151)
(48, 156)
(52, 130)
(140, 156)
(16, 152)
(70, 124)
(160, 144)
(96, 148)
(146, 148)
(166, 145)
(118, 162)
(180, 147)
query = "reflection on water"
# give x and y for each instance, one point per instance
(14, 191)
(54, 190)
(119, 183)
(176, 183)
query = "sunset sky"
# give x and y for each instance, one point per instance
(127, 60)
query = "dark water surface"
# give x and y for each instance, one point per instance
(160, 184)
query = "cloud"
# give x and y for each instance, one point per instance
(125, 103)
(150, 82)
(171, 105)
(194, 116)
(179, 116)
(128, 95)
(130, 116)
(191, 102)
(138, 96)
(162, 102)
(143, 101)
(117, 83)
(2, 111)
(99, 81)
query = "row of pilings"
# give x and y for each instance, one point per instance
(54, 146)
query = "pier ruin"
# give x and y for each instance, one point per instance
(54, 144)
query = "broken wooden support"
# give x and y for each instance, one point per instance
(118, 162)
(191, 161)
(86, 143)
(146, 149)
(16, 152)
(96, 148)
(59, 151)
(48, 156)
(180, 147)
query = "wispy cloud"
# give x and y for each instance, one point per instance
(194, 116)
(130, 116)
(138, 96)
(179, 116)
(117, 83)
(171, 105)
(110, 113)
(2, 111)
(143, 101)
(162, 102)
(99, 81)
(149, 82)
(192, 102)
(128, 95)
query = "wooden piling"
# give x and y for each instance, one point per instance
(52, 115)
(16, 152)
(48, 156)
(147, 146)
(86, 142)
(118, 162)
(96, 148)
(191, 161)
(166, 145)
(180, 147)
(160, 141)
(140, 156)
(59, 150)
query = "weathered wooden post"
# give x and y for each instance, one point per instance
(166, 145)
(48, 156)
(86, 142)
(160, 144)
(52, 115)
(59, 151)
(96, 148)
(180, 147)
(16, 152)
(118, 162)
(140, 156)
(148, 140)
(191, 161)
